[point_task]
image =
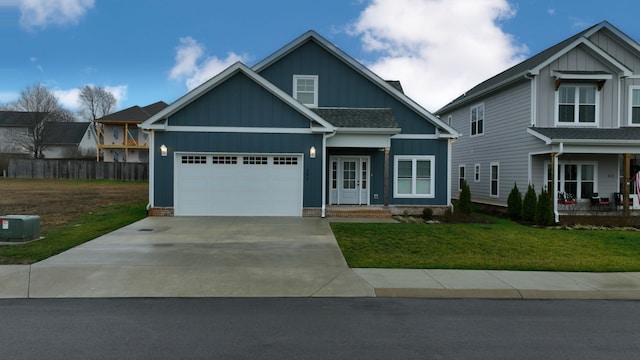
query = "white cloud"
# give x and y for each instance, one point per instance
(70, 98)
(193, 69)
(438, 49)
(41, 13)
(119, 92)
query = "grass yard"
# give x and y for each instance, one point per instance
(71, 211)
(503, 245)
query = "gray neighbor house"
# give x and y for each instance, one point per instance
(308, 131)
(569, 115)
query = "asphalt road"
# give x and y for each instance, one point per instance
(317, 328)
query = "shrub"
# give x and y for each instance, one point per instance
(427, 213)
(544, 210)
(529, 204)
(514, 203)
(464, 205)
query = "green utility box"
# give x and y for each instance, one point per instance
(19, 227)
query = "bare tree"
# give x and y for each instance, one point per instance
(96, 102)
(38, 106)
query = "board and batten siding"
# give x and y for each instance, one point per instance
(239, 102)
(505, 141)
(339, 85)
(577, 59)
(240, 143)
(439, 149)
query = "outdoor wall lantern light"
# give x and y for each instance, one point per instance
(163, 150)
(312, 152)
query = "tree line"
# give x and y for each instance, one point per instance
(37, 105)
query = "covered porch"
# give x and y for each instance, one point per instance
(591, 171)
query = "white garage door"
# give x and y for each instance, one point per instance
(238, 185)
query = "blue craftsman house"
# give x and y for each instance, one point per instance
(307, 131)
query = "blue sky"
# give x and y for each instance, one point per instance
(149, 50)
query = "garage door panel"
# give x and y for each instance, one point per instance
(238, 184)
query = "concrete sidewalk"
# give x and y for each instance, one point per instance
(490, 284)
(269, 257)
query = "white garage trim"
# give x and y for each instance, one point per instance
(238, 184)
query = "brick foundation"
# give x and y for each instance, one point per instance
(161, 211)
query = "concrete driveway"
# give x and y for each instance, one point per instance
(203, 256)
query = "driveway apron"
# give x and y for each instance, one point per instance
(203, 257)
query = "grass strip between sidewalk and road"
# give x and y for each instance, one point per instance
(501, 245)
(101, 221)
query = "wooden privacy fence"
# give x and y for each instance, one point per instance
(76, 169)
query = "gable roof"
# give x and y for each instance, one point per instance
(64, 133)
(159, 120)
(392, 88)
(532, 65)
(15, 118)
(134, 114)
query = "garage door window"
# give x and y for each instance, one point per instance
(255, 160)
(285, 160)
(221, 159)
(194, 159)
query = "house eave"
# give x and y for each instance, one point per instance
(379, 131)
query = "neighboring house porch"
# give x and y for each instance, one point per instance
(597, 169)
(120, 139)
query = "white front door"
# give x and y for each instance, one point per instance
(349, 181)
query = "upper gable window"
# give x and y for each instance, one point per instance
(477, 120)
(577, 105)
(305, 89)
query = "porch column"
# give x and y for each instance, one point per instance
(386, 177)
(553, 189)
(627, 184)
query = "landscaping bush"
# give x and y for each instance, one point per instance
(514, 203)
(544, 210)
(464, 205)
(427, 213)
(529, 204)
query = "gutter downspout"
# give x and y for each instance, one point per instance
(150, 204)
(555, 182)
(324, 172)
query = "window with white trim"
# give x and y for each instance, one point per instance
(477, 120)
(577, 105)
(476, 173)
(577, 179)
(414, 176)
(305, 89)
(462, 175)
(634, 106)
(495, 180)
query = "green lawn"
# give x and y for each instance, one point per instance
(503, 245)
(60, 238)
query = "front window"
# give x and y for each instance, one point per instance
(634, 111)
(577, 104)
(579, 180)
(477, 120)
(305, 89)
(413, 176)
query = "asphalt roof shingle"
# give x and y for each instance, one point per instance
(134, 113)
(64, 133)
(625, 133)
(358, 118)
